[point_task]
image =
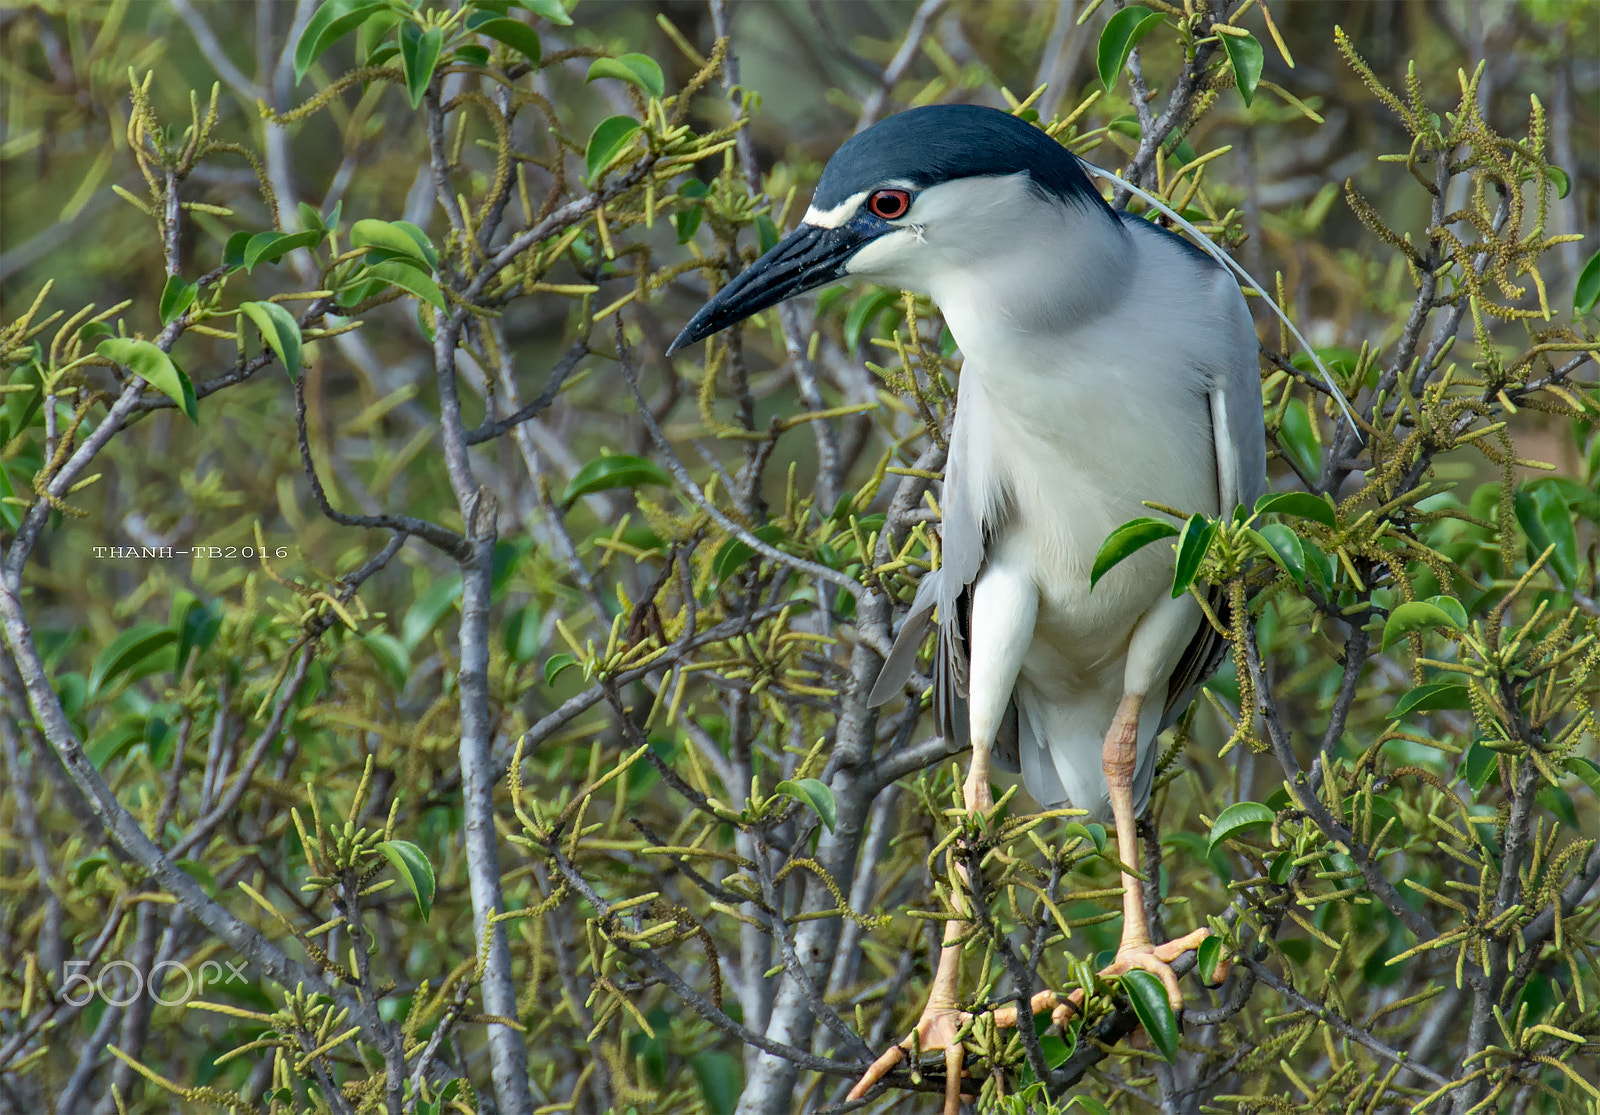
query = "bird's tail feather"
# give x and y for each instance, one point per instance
(903, 655)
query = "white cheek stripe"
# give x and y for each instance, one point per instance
(838, 215)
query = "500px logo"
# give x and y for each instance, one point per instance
(129, 983)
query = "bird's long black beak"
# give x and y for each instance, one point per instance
(807, 258)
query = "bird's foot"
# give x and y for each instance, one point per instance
(1061, 1008)
(1155, 959)
(939, 1028)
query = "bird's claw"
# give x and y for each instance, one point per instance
(1061, 1009)
(941, 1026)
(938, 1028)
(1157, 960)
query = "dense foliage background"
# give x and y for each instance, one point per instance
(421, 694)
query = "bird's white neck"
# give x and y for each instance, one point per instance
(1019, 268)
(1052, 284)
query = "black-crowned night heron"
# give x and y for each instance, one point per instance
(1107, 362)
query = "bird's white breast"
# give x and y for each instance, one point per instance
(1068, 430)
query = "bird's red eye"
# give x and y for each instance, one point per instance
(889, 204)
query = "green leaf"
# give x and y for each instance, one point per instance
(1193, 545)
(1127, 126)
(549, 9)
(373, 37)
(1283, 546)
(1319, 563)
(419, 54)
(400, 238)
(1209, 955)
(127, 652)
(158, 740)
(815, 793)
(1482, 764)
(86, 867)
(518, 36)
(864, 311)
(1582, 501)
(176, 297)
(1239, 818)
(1452, 608)
(1054, 1050)
(1182, 154)
(766, 233)
(327, 25)
(687, 222)
(1125, 541)
(420, 239)
(521, 634)
(635, 69)
(1246, 57)
(1302, 505)
(1149, 999)
(1587, 770)
(10, 513)
(270, 247)
(94, 329)
(555, 665)
(428, 609)
(1419, 615)
(233, 250)
(390, 655)
(200, 873)
(105, 746)
(1430, 698)
(1559, 802)
(153, 366)
(1547, 520)
(721, 1079)
(358, 290)
(1122, 33)
(735, 552)
(1093, 832)
(200, 625)
(608, 140)
(1562, 183)
(256, 246)
(414, 869)
(1298, 437)
(1086, 1103)
(616, 471)
(279, 330)
(508, 555)
(1587, 292)
(399, 273)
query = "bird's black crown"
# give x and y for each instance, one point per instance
(939, 143)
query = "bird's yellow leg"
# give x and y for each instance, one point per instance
(941, 1020)
(1119, 757)
(1005, 603)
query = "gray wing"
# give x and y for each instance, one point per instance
(1240, 436)
(963, 539)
